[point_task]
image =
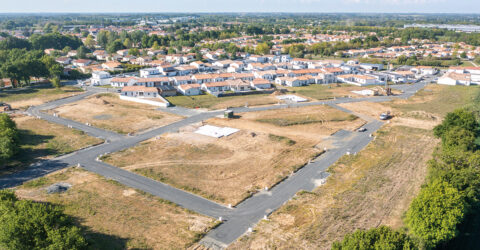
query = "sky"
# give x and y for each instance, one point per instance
(376, 6)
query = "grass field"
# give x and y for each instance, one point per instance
(211, 102)
(25, 97)
(370, 189)
(325, 91)
(117, 217)
(226, 170)
(40, 139)
(439, 99)
(107, 111)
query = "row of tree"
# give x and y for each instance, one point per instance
(443, 209)
(41, 42)
(20, 65)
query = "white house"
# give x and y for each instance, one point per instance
(212, 87)
(123, 81)
(190, 89)
(100, 78)
(150, 72)
(259, 83)
(140, 92)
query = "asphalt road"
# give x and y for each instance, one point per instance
(239, 219)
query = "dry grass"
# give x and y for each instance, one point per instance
(117, 217)
(229, 169)
(312, 123)
(438, 100)
(226, 170)
(23, 98)
(326, 91)
(370, 189)
(40, 139)
(107, 111)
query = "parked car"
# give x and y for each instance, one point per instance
(361, 129)
(385, 116)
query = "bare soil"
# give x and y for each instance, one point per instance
(370, 189)
(107, 111)
(117, 217)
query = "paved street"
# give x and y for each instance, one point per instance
(239, 219)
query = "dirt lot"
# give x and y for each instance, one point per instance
(216, 169)
(117, 217)
(107, 111)
(40, 139)
(213, 103)
(311, 123)
(424, 110)
(326, 91)
(23, 98)
(370, 189)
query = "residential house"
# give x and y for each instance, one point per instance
(149, 72)
(190, 89)
(81, 62)
(167, 90)
(64, 60)
(123, 81)
(140, 92)
(112, 66)
(100, 78)
(213, 87)
(260, 83)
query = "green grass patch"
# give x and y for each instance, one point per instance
(307, 119)
(46, 92)
(209, 101)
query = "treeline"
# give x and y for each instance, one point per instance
(445, 212)
(21, 65)
(41, 42)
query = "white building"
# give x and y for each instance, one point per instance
(100, 78)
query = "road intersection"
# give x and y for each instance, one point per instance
(237, 220)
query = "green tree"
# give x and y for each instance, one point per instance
(115, 46)
(89, 42)
(82, 52)
(459, 118)
(26, 224)
(262, 49)
(382, 238)
(9, 140)
(435, 213)
(134, 52)
(56, 82)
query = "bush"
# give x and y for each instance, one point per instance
(435, 213)
(28, 225)
(377, 238)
